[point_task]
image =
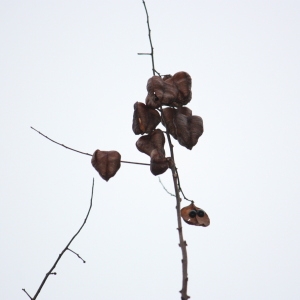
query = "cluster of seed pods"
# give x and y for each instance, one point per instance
(174, 92)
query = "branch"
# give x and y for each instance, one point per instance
(50, 272)
(77, 255)
(152, 49)
(165, 188)
(123, 161)
(182, 242)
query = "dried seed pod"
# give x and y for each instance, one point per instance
(183, 82)
(168, 115)
(183, 126)
(172, 90)
(194, 215)
(159, 163)
(145, 119)
(107, 163)
(154, 140)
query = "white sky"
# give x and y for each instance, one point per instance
(71, 70)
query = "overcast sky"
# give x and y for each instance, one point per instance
(71, 70)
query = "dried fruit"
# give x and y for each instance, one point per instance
(194, 215)
(159, 163)
(145, 119)
(153, 145)
(182, 125)
(172, 91)
(154, 140)
(107, 163)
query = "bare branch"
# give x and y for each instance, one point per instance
(123, 161)
(151, 45)
(182, 242)
(60, 144)
(26, 293)
(165, 188)
(77, 255)
(180, 189)
(50, 272)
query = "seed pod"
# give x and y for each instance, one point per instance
(106, 163)
(154, 140)
(183, 126)
(194, 218)
(145, 119)
(172, 91)
(159, 163)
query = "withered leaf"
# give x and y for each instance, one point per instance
(195, 220)
(145, 119)
(172, 91)
(159, 163)
(183, 126)
(154, 140)
(107, 163)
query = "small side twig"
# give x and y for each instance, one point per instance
(26, 293)
(180, 189)
(50, 272)
(165, 188)
(77, 255)
(85, 153)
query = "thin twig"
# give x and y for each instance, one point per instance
(77, 255)
(85, 153)
(180, 189)
(60, 143)
(165, 188)
(26, 293)
(151, 45)
(64, 250)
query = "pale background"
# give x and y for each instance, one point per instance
(71, 70)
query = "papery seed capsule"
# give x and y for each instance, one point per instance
(192, 213)
(200, 213)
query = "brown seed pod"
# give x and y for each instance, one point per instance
(172, 91)
(107, 163)
(145, 119)
(154, 140)
(183, 126)
(159, 163)
(194, 215)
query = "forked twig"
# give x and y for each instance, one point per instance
(85, 153)
(50, 272)
(151, 45)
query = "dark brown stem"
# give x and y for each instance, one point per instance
(152, 49)
(64, 250)
(85, 153)
(182, 242)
